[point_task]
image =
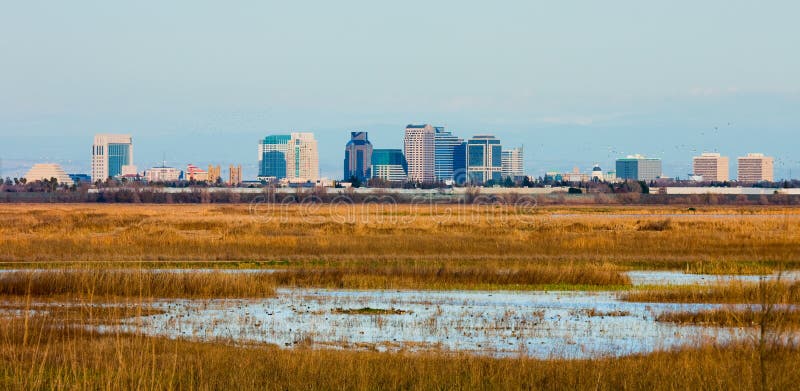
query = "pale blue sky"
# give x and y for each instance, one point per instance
(576, 82)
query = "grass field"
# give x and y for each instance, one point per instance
(99, 257)
(723, 240)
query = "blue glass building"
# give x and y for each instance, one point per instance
(484, 160)
(446, 159)
(272, 157)
(357, 157)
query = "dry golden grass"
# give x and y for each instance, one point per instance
(730, 317)
(135, 283)
(743, 240)
(39, 353)
(450, 275)
(731, 293)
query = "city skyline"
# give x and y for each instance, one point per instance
(574, 85)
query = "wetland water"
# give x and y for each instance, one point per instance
(556, 324)
(535, 324)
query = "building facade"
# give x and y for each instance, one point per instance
(484, 160)
(513, 164)
(197, 174)
(357, 157)
(711, 166)
(419, 150)
(272, 151)
(446, 147)
(638, 168)
(389, 165)
(162, 174)
(110, 153)
(755, 167)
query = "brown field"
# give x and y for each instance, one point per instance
(714, 240)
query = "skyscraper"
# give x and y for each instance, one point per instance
(302, 159)
(445, 148)
(272, 153)
(638, 168)
(357, 157)
(419, 150)
(484, 159)
(110, 153)
(513, 163)
(711, 166)
(389, 165)
(755, 167)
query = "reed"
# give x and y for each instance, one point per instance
(449, 275)
(731, 293)
(732, 317)
(38, 353)
(103, 283)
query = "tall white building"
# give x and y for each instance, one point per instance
(420, 152)
(512, 163)
(302, 158)
(110, 153)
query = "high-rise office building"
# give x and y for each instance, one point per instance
(419, 150)
(513, 163)
(446, 145)
(389, 165)
(293, 157)
(638, 168)
(302, 159)
(272, 151)
(110, 153)
(755, 167)
(484, 159)
(357, 157)
(460, 163)
(711, 166)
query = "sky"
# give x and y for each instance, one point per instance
(574, 82)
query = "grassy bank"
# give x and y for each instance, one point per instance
(140, 282)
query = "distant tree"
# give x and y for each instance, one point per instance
(508, 182)
(355, 182)
(526, 182)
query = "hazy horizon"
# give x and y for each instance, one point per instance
(576, 84)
